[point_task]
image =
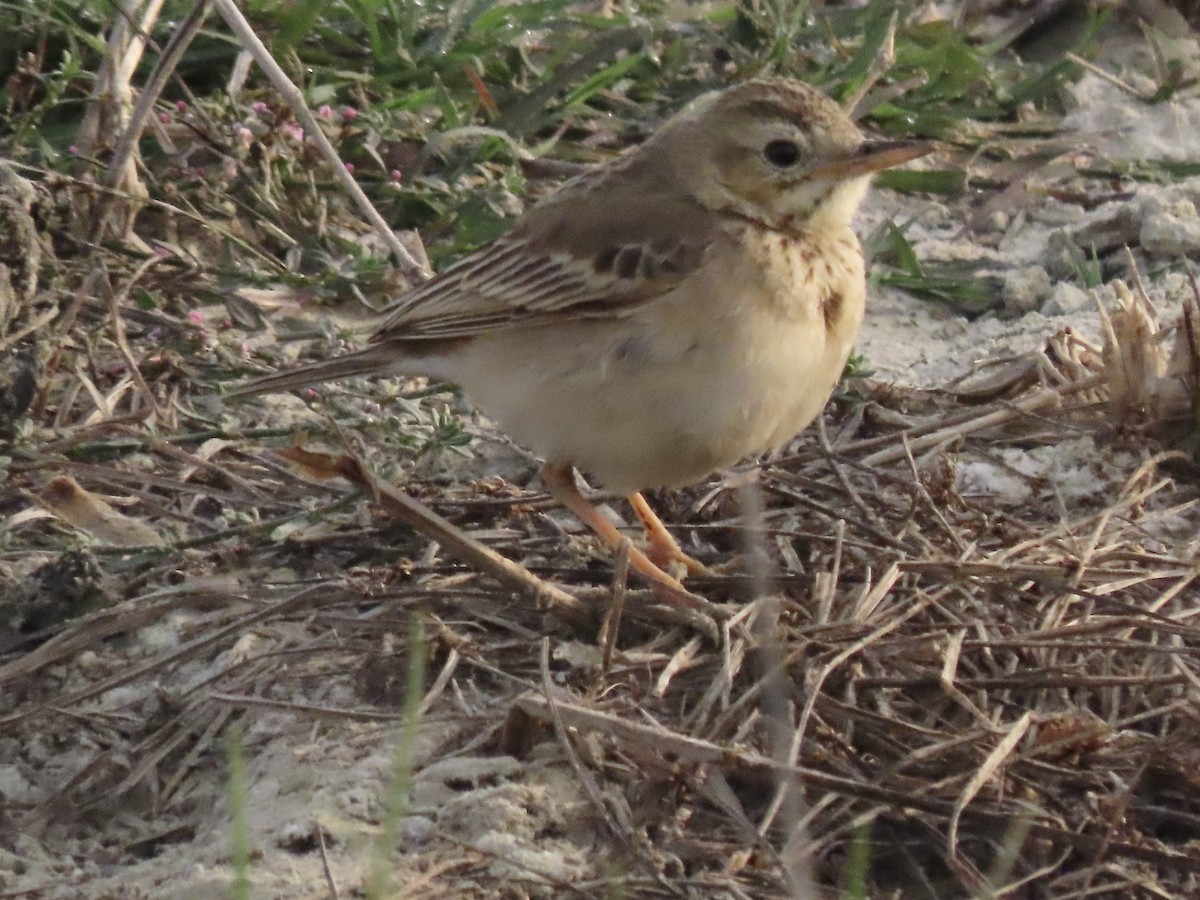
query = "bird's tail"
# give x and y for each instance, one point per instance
(376, 360)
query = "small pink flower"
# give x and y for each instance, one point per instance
(259, 107)
(310, 393)
(294, 131)
(349, 113)
(181, 106)
(164, 117)
(350, 167)
(195, 316)
(396, 174)
(73, 150)
(325, 111)
(244, 135)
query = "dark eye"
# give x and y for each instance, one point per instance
(781, 153)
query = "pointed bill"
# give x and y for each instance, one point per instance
(873, 156)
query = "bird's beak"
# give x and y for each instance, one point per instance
(872, 156)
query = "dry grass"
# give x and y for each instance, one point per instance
(997, 695)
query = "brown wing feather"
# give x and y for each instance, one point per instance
(586, 251)
(600, 246)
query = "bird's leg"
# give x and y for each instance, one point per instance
(560, 482)
(664, 550)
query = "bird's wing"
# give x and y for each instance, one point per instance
(591, 250)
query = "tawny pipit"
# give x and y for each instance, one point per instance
(687, 305)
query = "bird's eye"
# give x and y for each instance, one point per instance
(781, 154)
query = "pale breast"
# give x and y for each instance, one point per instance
(734, 362)
(816, 290)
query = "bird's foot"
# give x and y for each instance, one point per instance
(661, 547)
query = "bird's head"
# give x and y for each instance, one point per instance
(778, 152)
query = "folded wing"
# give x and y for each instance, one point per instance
(586, 253)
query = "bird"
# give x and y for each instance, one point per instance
(684, 306)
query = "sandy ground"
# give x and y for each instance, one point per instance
(309, 779)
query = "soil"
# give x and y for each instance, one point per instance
(138, 802)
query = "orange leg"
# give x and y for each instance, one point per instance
(664, 549)
(560, 481)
